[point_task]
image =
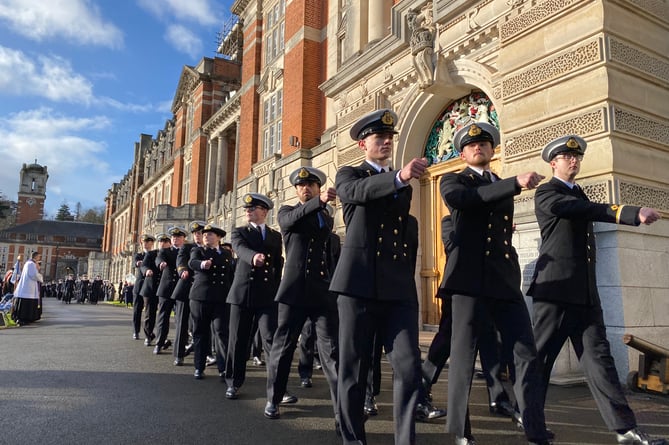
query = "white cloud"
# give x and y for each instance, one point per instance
(77, 21)
(199, 11)
(184, 40)
(45, 76)
(77, 170)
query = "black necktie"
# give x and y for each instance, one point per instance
(486, 176)
(260, 231)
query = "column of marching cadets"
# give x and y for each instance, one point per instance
(346, 305)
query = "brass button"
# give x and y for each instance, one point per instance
(506, 255)
(487, 253)
(399, 218)
(308, 260)
(395, 231)
(489, 239)
(265, 279)
(378, 253)
(381, 226)
(506, 217)
(380, 240)
(268, 255)
(490, 226)
(394, 243)
(506, 243)
(394, 257)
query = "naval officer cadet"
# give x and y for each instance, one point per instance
(483, 278)
(374, 278)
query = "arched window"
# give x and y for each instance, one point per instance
(475, 107)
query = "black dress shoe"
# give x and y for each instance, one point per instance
(370, 406)
(637, 437)
(257, 361)
(232, 393)
(178, 361)
(199, 375)
(157, 349)
(306, 383)
(188, 350)
(167, 344)
(271, 411)
(211, 360)
(288, 399)
(425, 411)
(504, 408)
(147, 342)
(135, 336)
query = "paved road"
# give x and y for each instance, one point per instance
(77, 377)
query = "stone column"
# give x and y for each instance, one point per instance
(222, 167)
(211, 181)
(358, 18)
(378, 18)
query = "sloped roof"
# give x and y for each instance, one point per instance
(59, 228)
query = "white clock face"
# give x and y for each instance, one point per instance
(30, 202)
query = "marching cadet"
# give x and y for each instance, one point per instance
(149, 287)
(211, 266)
(566, 302)
(483, 278)
(181, 291)
(166, 260)
(138, 301)
(257, 276)
(374, 278)
(303, 293)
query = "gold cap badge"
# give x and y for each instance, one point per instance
(248, 199)
(571, 143)
(474, 130)
(303, 173)
(387, 119)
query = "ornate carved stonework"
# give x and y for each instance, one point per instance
(598, 192)
(639, 60)
(632, 123)
(584, 124)
(553, 68)
(645, 196)
(533, 16)
(349, 115)
(350, 157)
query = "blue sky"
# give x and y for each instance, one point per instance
(81, 79)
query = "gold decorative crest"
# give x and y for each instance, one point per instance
(303, 173)
(208, 227)
(387, 119)
(614, 207)
(571, 143)
(194, 226)
(248, 199)
(474, 130)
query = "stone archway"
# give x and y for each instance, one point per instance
(420, 111)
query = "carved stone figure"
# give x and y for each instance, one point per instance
(423, 33)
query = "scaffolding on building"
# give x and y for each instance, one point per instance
(230, 39)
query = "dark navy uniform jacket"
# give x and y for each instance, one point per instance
(182, 287)
(376, 258)
(168, 276)
(210, 285)
(565, 269)
(139, 276)
(306, 273)
(481, 262)
(256, 287)
(150, 285)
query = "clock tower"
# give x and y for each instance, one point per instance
(32, 193)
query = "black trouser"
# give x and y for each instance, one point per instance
(397, 323)
(307, 350)
(165, 306)
(150, 309)
(290, 323)
(489, 351)
(181, 320)
(241, 323)
(512, 319)
(205, 314)
(584, 326)
(137, 308)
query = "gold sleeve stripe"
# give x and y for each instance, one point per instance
(620, 209)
